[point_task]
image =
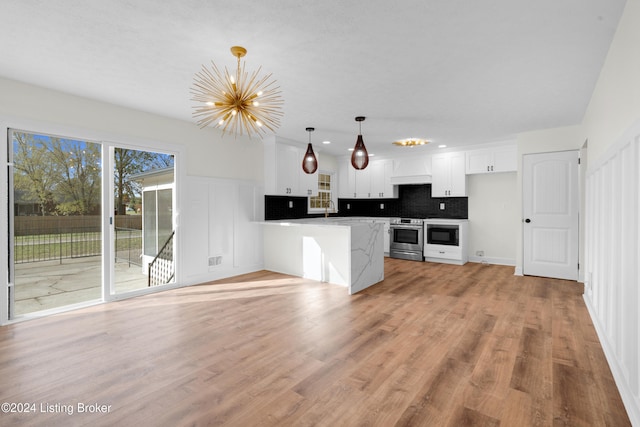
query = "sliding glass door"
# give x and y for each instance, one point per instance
(83, 228)
(55, 215)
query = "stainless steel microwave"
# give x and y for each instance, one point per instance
(443, 234)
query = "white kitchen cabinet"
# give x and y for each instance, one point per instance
(283, 171)
(352, 182)
(449, 175)
(373, 182)
(492, 160)
(346, 183)
(362, 179)
(381, 186)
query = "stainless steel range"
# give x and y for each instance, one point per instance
(407, 237)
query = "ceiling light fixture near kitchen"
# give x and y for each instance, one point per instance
(410, 142)
(236, 104)
(359, 156)
(309, 162)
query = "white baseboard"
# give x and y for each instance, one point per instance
(493, 260)
(631, 404)
(220, 272)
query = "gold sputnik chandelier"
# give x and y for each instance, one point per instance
(411, 142)
(239, 103)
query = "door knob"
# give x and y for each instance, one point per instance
(527, 220)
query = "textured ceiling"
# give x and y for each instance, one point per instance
(454, 71)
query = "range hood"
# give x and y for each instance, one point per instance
(411, 170)
(411, 179)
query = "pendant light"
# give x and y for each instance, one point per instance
(359, 156)
(309, 162)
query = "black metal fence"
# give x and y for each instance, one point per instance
(57, 238)
(129, 245)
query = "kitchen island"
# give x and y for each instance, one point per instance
(342, 251)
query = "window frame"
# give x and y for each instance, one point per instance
(332, 191)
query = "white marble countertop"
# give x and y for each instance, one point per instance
(331, 221)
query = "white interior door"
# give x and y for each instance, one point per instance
(551, 206)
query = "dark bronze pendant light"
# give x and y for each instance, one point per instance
(360, 156)
(309, 162)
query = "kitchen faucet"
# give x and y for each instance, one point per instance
(327, 205)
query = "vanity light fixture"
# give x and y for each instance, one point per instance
(236, 103)
(309, 162)
(359, 156)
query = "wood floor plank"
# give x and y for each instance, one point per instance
(431, 345)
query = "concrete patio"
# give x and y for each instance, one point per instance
(51, 284)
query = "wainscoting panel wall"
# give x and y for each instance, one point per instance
(612, 286)
(222, 234)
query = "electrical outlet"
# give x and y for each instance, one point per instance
(290, 204)
(215, 260)
(381, 205)
(348, 205)
(479, 253)
(441, 206)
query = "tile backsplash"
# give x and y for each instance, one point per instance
(414, 201)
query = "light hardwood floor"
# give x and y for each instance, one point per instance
(432, 345)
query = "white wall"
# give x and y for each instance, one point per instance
(612, 126)
(222, 222)
(493, 217)
(615, 103)
(207, 152)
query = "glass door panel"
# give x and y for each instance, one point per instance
(56, 235)
(143, 186)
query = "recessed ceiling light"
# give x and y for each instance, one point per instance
(326, 142)
(442, 146)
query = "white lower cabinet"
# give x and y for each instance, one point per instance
(443, 252)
